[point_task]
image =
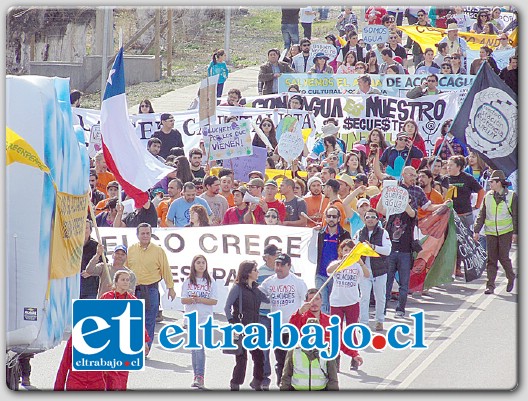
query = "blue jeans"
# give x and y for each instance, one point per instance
(198, 357)
(290, 34)
(219, 90)
(266, 381)
(323, 13)
(325, 293)
(379, 284)
(151, 296)
(399, 262)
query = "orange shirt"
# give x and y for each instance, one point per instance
(230, 199)
(102, 181)
(435, 197)
(101, 206)
(163, 209)
(313, 206)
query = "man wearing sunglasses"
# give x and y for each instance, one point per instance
(429, 86)
(415, 47)
(403, 148)
(328, 239)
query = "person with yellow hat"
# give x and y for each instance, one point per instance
(498, 215)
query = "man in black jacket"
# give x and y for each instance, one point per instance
(379, 240)
(271, 71)
(328, 240)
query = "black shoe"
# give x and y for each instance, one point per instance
(489, 291)
(234, 386)
(256, 385)
(509, 287)
(354, 365)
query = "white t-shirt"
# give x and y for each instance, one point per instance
(345, 290)
(201, 289)
(286, 295)
(306, 18)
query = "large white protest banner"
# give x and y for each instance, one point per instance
(187, 122)
(224, 247)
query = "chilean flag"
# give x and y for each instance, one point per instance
(127, 158)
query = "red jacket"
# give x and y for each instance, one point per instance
(299, 320)
(77, 380)
(117, 381)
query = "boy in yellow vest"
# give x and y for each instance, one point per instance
(498, 215)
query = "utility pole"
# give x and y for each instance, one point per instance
(227, 35)
(106, 35)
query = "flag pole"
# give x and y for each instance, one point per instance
(208, 123)
(106, 269)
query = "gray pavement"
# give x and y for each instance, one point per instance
(179, 99)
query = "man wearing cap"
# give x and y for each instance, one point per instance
(178, 214)
(455, 44)
(403, 149)
(271, 71)
(255, 213)
(236, 213)
(498, 215)
(330, 127)
(316, 202)
(286, 293)
(112, 189)
(346, 183)
(255, 174)
(295, 206)
(106, 273)
(270, 191)
(302, 62)
(169, 137)
(150, 264)
(271, 252)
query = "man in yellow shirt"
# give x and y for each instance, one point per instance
(149, 263)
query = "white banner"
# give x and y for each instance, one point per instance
(186, 122)
(224, 247)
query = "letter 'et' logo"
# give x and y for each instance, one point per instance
(108, 334)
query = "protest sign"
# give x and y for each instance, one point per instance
(328, 49)
(95, 143)
(207, 95)
(375, 34)
(224, 141)
(470, 251)
(243, 165)
(394, 199)
(291, 143)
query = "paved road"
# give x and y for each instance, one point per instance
(472, 340)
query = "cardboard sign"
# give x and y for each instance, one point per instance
(394, 199)
(375, 34)
(242, 166)
(328, 49)
(291, 143)
(225, 141)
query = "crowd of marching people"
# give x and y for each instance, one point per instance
(332, 188)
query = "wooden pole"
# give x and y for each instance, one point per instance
(157, 43)
(106, 269)
(169, 42)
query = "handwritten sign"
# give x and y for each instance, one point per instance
(394, 199)
(242, 166)
(375, 34)
(328, 49)
(95, 144)
(225, 141)
(291, 143)
(473, 255)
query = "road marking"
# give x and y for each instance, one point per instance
(441, 331)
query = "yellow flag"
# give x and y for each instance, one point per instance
(18, 150)
(361, 249)
(68, 234)
(342, 41)
(514, 37)
(429, 36)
